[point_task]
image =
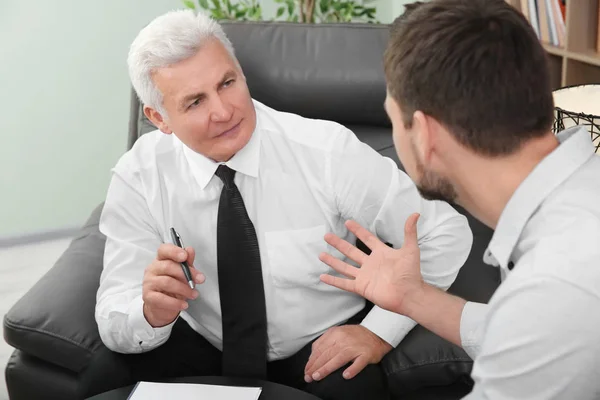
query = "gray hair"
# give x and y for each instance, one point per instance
(167, 40)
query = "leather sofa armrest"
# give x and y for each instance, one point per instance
(424, 359)
(54, 320)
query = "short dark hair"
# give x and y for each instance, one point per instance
(476, 66)
(408, 9)
(411, 6)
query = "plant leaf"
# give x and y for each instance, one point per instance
(218, 14)
(324, 6)
(229, 6)
(189, 4)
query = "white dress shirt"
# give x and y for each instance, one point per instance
(300, 178)
(539, 338)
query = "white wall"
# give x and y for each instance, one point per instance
(63, 105)
(64, 95)
(388, 10)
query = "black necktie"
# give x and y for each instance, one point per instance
(241, 287)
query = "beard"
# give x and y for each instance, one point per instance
(432, 186)
(440, 190)
(435, 187)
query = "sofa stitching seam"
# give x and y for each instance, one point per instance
(423, 363)
(38, 330)
(385, 148)
(342, 25)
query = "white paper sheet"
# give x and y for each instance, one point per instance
(192, 391)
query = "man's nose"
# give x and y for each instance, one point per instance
(221, 111)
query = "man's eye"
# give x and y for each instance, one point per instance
(228, 82)
(194, 104)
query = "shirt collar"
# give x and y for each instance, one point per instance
(574, 150)
(245, 161)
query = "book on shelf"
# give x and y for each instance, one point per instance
(547, 17)
(559, 22)
(533, 16)
(563, 8)
(544, 22)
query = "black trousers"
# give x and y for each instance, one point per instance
(187, 353)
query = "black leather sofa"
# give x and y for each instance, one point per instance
(331, 72)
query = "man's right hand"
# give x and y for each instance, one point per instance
(392, 280)
(165, 290)
(388, 277)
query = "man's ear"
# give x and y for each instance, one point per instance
(424, 136)
(157, 119)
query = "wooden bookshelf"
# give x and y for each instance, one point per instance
(579, 61)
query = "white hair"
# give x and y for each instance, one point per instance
(167, 40)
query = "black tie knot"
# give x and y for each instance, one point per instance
(226, 175)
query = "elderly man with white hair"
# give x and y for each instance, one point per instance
(251, 191)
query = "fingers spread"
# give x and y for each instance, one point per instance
(370, 240)
(348, 285)
(410, 231)
(339, 265)
(346, 248)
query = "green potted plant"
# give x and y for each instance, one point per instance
(320, 11)
(302, 11)
(240, 10)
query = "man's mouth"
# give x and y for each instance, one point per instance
(231, 131)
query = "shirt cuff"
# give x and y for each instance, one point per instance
(388, 325)
(144, 334)
(471, 327)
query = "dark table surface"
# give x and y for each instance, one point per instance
(270, 390)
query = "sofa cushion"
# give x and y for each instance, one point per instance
(24, 369)
(323, 71)
(54, 320)
(424, 359)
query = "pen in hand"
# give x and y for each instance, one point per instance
(184, 265)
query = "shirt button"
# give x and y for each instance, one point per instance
(511, 265)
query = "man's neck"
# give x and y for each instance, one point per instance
(485, 185)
